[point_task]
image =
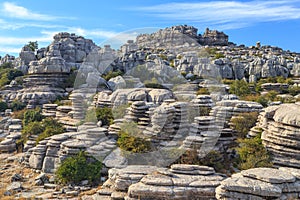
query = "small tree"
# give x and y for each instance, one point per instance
(240, 88)
(252, 153)
(33, 45)
(130, 139)
(243, 123)
(105, 115)
(3, 106)
(32, 115)
(78, 168)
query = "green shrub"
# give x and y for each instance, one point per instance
(252, 154)
(32, 128)
(212, 159)
(33, 45)
(294, 90)
(32, 116)
(80, 167)
(17, 105)
(154, 85)
(8, 74)
(3, 106)
(120, 111)
(51, 127)
(42, 129)
(105, 115)
(243, 123)
(219, 55)
(112, 74)
(202, 91)
(239, 88)
(19, 114)
(130, 139)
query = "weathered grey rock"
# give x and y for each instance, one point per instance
(175, 185)
(116, 83)
(280, 130)
(259, 183)
(15, 187)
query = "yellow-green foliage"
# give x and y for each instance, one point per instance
(119, 111)
(202, 91)
(7, 73)
(112, 74)
(80, 167)
(213, 159)
(131, 140)
(105, 115)
(32, 116)
(252, 153)
(239, 88)
(42, 129)
(243, 123)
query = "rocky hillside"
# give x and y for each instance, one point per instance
(171, 115)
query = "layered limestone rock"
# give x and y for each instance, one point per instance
(213, 37)
(261, 183)
(213, 132)
(280, 126)
(49, 68)
(50, 152)
(10, 133)
(124, 96)
(178, 182)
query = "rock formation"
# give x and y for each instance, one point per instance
(178, 182)
(280, 130)
(261, 183)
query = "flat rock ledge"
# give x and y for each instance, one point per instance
(261, 183)
(184, 182)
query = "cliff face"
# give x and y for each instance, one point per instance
(180, 35)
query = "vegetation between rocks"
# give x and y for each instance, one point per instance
(77, 168)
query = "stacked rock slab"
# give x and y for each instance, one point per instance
(137, 112)
(120, 179)
(203, 103)
(203, 135)
(10, 134)
(161, 128)
(226, 109)
(50, 152)
(261, 183)
(124, 96)
(281, 130)
(184, 182)
(212, 132)
(49, 110)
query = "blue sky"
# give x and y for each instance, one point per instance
(276, 23)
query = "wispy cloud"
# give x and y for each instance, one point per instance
(230, 14)
(15, 11)
(9, 50)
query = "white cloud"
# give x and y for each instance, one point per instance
(15, 11)
(233, 14)
(9, 50)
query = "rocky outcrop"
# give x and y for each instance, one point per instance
(261, 183)
(280, 131)
(178, 182)
(181, 35)
(50, 152)
(46, 76)
(124, 96)
(213, 132)
(213, 37)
